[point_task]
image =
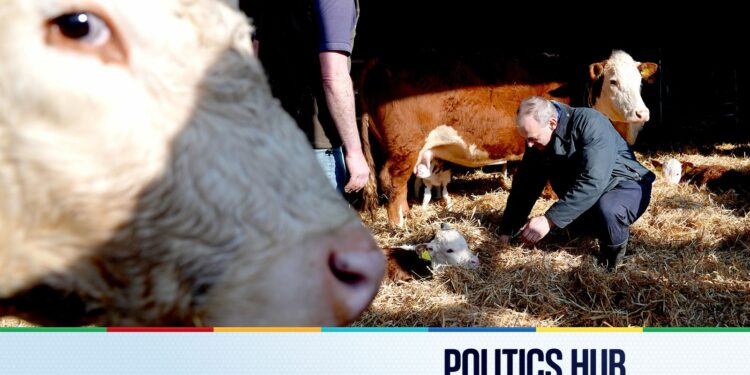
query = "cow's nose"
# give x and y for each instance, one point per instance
(474, 263)
(356, 265)
(642, 114)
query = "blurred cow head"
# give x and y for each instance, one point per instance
(148, 177)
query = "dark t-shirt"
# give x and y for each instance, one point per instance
(291, 34)
(337, 20)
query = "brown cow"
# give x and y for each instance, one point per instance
(466, 115)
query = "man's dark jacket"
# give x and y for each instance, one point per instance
(585, 158)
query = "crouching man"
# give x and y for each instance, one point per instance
(602, 187)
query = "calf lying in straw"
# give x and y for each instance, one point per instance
(447, 248)
(714, 177)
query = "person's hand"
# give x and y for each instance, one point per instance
(358, 171)
(535, 229)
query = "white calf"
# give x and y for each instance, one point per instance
(447, 248)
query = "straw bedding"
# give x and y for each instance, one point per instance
(688, 262)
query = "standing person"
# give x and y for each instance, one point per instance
(305, 47)
(602, 187)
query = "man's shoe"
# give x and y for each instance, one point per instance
(611, 256)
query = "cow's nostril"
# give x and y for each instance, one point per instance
(341, 269)
(355, 269)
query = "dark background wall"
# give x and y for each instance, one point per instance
(699, 95)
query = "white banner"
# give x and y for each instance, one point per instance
(491, 353)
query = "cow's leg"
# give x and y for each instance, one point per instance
(396, 178)
(446, 197)
(427, 195)
(417, 186)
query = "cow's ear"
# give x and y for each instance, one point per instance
(596, 70)
(424, 251)
(687, 167)
(552, 86)
(657, 164)
(647, 70)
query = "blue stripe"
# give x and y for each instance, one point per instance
(374, 329)
(482, 329)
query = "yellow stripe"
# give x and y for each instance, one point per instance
(589, 329)
(267, 329)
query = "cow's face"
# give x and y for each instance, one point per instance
(620, 96)
(449, 247)
(141, 154)
(672, 171)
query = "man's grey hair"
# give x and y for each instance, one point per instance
(538, 107)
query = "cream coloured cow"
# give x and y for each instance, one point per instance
(620, 96)
(147, 176)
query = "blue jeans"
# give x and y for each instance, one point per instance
(332, 162)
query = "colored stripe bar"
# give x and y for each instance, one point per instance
(267, 329)
(590, 329)
(53, 329)
(160, 329)
(481, 329)
(696, 329)
(374, 329)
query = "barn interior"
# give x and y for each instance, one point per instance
(699, 96)
(690, 259)
(689, 263)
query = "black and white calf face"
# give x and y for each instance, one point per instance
(449, 247)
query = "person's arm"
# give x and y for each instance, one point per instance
(528, 184)
(339, 92)
(337, 20)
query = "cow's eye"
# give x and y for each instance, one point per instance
(449, 251)
(613, 82)
(84, 27)
(86, 32)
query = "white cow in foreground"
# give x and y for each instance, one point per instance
(147, 176)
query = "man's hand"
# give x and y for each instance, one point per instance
(358, 171)
(535, 229)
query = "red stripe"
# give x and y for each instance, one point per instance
(160, 329)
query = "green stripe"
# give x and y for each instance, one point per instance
(53, 329)
(697, 329)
